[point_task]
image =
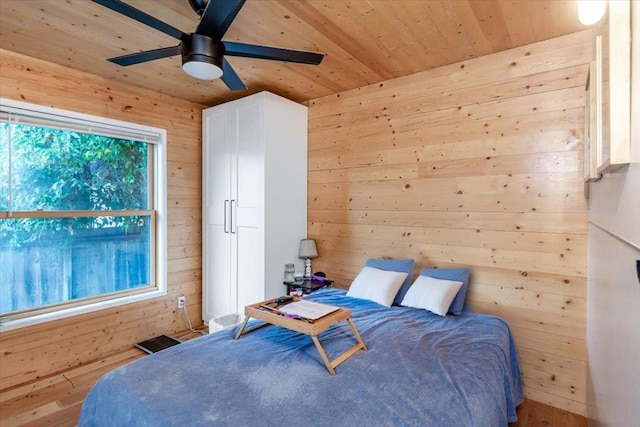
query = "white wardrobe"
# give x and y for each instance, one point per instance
(254, 171)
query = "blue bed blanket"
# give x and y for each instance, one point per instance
(420, 370)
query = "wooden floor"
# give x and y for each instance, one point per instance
(56, 400)
(532, 413)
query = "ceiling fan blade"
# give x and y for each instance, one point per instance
(140, 16)
(265, 52)
(230, 78)
(149, 55)
(217, 17)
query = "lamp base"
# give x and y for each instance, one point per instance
(307, 269)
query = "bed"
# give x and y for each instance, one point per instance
(420, 369)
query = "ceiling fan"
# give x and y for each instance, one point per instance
(203, 51)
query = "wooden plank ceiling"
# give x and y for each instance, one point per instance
(365, 41)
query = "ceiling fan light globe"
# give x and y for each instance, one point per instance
(591, 11)
(202, 70)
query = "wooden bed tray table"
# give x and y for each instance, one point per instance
(313, 329)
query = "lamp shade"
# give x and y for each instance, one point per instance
(308, 249)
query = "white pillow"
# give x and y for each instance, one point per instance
(435, 295)
(377, 285)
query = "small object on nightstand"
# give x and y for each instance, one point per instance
(289, 272)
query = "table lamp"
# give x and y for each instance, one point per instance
(308, 251)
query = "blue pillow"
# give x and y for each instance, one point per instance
(455, 274)
(399, 265)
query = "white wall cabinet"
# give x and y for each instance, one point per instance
(613, 57)
(613, 288)
(254, 199)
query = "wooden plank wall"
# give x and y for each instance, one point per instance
(475, 164)
(34, 352)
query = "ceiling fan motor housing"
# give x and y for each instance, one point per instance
(199, 48)
(198, 6)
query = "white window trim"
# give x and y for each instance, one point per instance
(160, 197)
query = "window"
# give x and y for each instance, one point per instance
(82, 213)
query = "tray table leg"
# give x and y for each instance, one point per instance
(357, 334)
(241, 330)
(331, 364)
(325, 359)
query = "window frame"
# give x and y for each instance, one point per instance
(156, 210)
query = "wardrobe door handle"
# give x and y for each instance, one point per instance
(232, 202)
(226, 202)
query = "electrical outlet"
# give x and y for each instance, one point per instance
(181, 300)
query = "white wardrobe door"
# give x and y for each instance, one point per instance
(248, 195)
(216, 257)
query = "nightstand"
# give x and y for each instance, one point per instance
(308, 286)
